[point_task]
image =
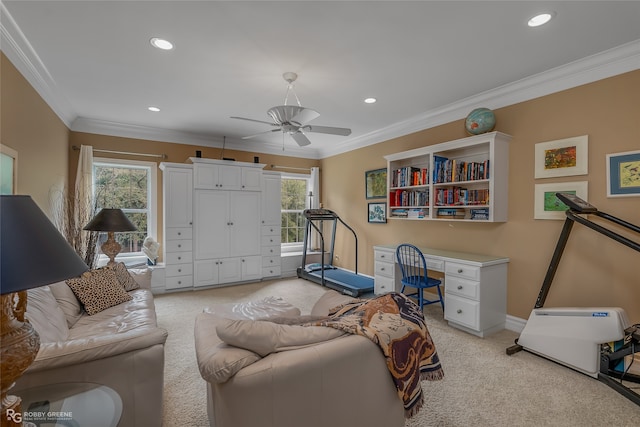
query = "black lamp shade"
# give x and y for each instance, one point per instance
(110, 220)
(33, 253)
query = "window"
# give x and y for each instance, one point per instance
(295, 189)
(131, 186)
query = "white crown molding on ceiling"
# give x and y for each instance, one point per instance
(609, 63)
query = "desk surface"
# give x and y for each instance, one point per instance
(479, 259)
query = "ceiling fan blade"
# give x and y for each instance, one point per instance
(305, 115)
(300, 138)
(254, 120)
(261, 133)
(328, 129)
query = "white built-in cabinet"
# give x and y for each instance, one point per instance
(460, 180)
(221, 224)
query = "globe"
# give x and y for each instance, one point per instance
(479, 121)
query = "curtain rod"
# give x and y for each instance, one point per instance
(126, 153)
(290, 168)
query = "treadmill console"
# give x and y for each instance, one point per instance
(575, 203)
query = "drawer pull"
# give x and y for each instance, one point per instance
(179, 233)
(382, 269)
(179, 246)
(271, 261)
(459, 287)
(459, 311)
(179, 257)
(179, 282)
(179, 270)
(460, 270)
(382, 256)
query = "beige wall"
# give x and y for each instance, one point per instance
(595, 270)
(30, 127)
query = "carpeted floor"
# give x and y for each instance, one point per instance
(482, 386)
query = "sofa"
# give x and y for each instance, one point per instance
(100, 329)
(293, 375)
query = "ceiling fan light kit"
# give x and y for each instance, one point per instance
(293, 119)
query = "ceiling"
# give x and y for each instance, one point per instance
(426, 62)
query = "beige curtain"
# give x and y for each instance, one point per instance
(83, 195)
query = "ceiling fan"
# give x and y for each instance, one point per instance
(294, 119)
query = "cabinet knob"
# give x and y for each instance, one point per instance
(179, 282)
(382, 269)
(271, 261)
(243, 186)
(179, 258)
(460, 270)
(459, 287)
(179, 233)
(382, 256)
(179, 270)
(179, 246)
(242, 260)
(459, 311)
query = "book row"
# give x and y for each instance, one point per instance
(409, 176)
(409, 198)
(461, 197)
(446, 170)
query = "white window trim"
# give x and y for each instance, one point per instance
(133, 258)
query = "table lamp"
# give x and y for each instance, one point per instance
(33, 253)
(111, 221)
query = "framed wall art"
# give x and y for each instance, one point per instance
(8, 170)
(563, 157)
(376, 183)
(548, 206)
(378, 212)
(623, 174)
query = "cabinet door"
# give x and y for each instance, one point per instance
(251, 267)
(178, 184)
(205, 176)
(229, 177)
(205, 273)
(244, 216)
(212, 229)
(251, 179)
(229, 270)
(271, 200)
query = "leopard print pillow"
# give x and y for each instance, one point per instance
(123, 276)
(98, 290)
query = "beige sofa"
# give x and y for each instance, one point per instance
(120, 347)
(296, 376)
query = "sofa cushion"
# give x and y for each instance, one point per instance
(142, 276)
(264, 337)
(98, 290)
(67, 302)
(45, 315)
(329, 301)
(123, 276)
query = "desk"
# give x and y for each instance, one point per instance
(475, 286)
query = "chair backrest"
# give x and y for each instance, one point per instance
(412, 263)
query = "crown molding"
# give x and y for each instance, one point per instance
(23, 56)
(609, 63)
(123, 130)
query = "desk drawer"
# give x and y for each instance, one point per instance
(385, 256)
(462, 311)
(434, 264)
(383, 285)
(385, 269)
(463, 287)
(463, 270)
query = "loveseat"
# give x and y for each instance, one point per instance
(295, 376)
(107, 337)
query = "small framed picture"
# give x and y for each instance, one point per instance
(548, 206)
(563, 157)
(378, 212)
(623, 174)
(376, 183)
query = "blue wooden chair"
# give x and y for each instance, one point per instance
(414, 274)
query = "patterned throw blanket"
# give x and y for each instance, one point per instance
(397, 326)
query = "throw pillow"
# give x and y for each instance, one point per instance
(264, 337)
(98, 290)
(123, 276)
(45, 315)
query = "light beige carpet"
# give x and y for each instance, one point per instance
(482, 386)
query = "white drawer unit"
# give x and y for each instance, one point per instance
(178, 258)
(271, 251)
(475, 286)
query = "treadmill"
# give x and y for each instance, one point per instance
(325, 273)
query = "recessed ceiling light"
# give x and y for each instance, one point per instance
(540, 19)
(154, 109)
(161, 43)
(370, 100)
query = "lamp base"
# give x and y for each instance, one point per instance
(111, 248)
(19, 345)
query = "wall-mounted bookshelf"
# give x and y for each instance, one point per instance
(461, 180)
